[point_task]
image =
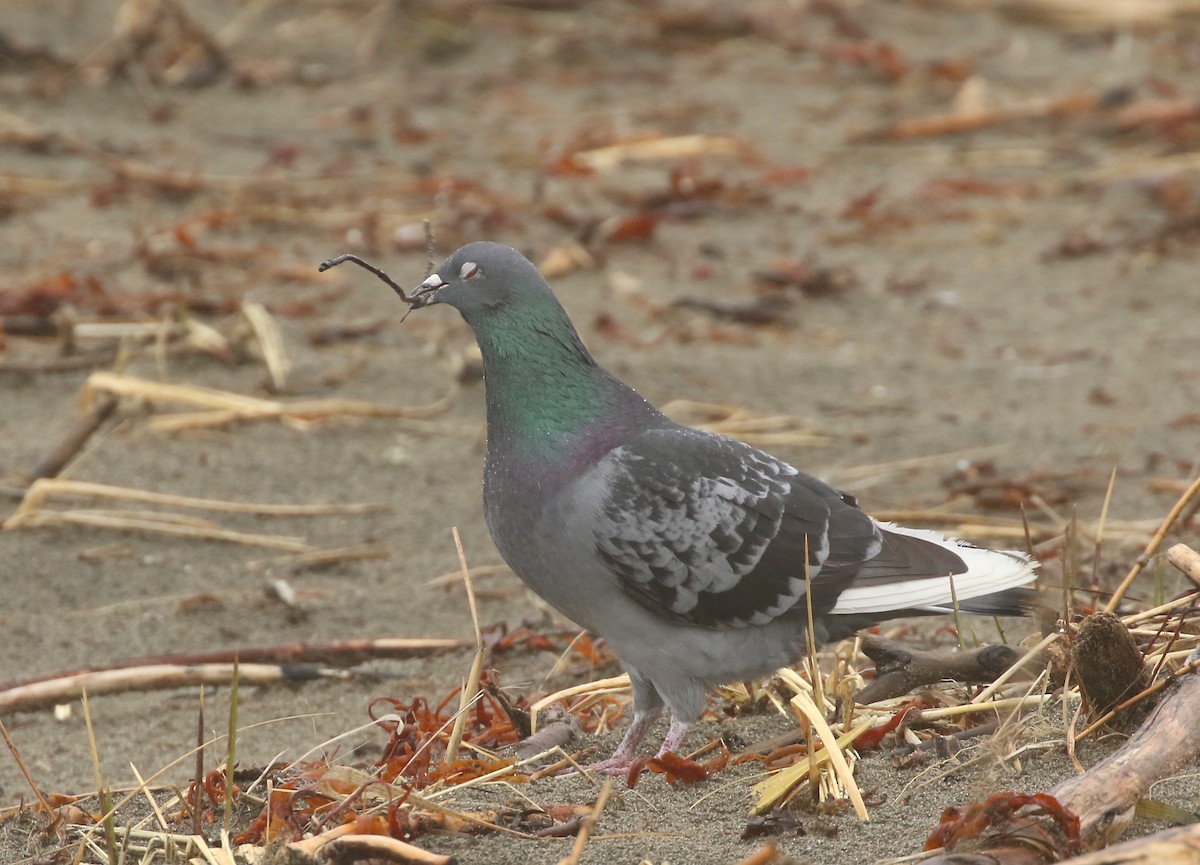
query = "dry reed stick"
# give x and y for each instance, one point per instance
(1151, 548)
(470, 687)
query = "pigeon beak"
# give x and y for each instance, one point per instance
(426, 293)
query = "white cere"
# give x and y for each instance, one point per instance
(468, 270)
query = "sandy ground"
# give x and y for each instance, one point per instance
(1023, 295)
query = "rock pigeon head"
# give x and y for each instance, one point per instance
(484, 278)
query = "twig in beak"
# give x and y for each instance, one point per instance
(395, 286)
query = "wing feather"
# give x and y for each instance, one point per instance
(710, 531)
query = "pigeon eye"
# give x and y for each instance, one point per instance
(468, 270)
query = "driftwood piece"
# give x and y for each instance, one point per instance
(1178, 846)
(1104, 797)
(341, 845)
(1107, 663)
(287, 662)
(899, 669)
(1187, 560)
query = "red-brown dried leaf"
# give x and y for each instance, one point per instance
(370, 824)
(678, 768)
(41, 298)
(785, 175)
(184, 237)
(638, 227)
(872, 737)
(950, 188)
(862, 208)
(567, 166)
(883, 58)
(636, 768)
(958, 824)
(719, 762)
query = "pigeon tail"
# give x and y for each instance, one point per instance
(883, 588)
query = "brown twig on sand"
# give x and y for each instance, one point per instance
(336, 653)
(149, 678)
(323, 558)
(959, 122)
(57, 457)
(942, 747)
(589, 823)
(899, 669)
(72, 363)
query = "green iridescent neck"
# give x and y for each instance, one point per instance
(542, 383)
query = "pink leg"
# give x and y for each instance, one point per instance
(675, 736)
(618, 763)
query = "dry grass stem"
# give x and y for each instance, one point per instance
(270, 343)
(1155, 542)
(12, 748)
(221, 408)
(778, 788)
(663, 149)
(44, 488)
(1034, 654)
(479, 572)
(324, 558)
(746, 425)
(616, 684)
(155, 524)
(470, 688)
(816, 718)
(872, 474)
(1163, 609)
(150, 800)
(1099, 15)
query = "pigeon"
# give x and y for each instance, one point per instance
(698, 558)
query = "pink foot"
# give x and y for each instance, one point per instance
(618, 764)
(614, 766)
